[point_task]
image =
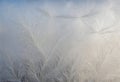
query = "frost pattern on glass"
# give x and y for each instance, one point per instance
(60, 41)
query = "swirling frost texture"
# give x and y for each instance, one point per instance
(65, 41)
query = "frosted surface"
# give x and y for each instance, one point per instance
(59, 41)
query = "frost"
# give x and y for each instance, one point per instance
(59, 41)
